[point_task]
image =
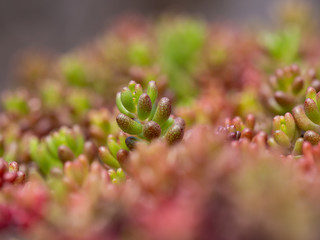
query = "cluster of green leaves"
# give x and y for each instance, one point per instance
(286, 88)
(307, 116)
(61, 146)
(286, 134)
(291, 130)
(100, 125)
(116, 152)
(141, 115)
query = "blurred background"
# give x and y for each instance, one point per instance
(60, 25)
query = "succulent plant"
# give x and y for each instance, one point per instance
(10, 173)
(74, 165)
(61, 146)
(143, 117)
(76, 171)
(286, 134)
(115, 154)
(100, 125)
(235, 128)
(286, 88)
(307, 116)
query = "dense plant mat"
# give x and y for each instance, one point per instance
(168, 129)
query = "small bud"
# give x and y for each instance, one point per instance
(151, 130)
(107, 158)
(271, 142)
(121, 175)
(247, 133)
(180, 121)
(284, 99)
(237, 122)
(138, 91)
(312, 137)
(316, 84)
(112, 173)
(131, 142)
(90, 150)
(297, 85)
(122, 156)
(297, 149)
(122, 140)
(234, 136)
(281, 138)
(311, 93)
(163, 111)
(132, 85)
(144, 106)
(260, 139)
(175, 134)
(68, 170)
(128, 125)
(290, 125)
(250, 121)
(231, 128)
(311, 110)
(295, 69)
(152, 91)
(13, 167)
(276, 122)
(21, 177)
(113, 146)
(65, 153)
(83, 164)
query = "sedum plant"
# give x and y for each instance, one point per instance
(286, 134)
(287, 88)
(116, 151)
(145, 118)
(236, 128)
(307, 116)
(10, 173)
(75, 165)
(61, 146)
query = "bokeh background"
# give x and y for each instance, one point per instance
(60, 25)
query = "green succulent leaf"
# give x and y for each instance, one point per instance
(163, 111)
(128, 125)
(144, 106)
(127, 100)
